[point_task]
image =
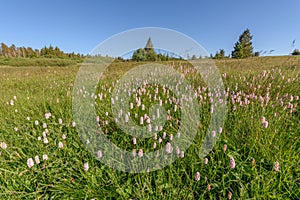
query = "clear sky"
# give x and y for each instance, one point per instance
(81, 25)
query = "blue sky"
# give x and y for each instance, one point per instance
(81, 25)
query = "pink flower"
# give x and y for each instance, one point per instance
(197, 176)
(37, 160)
(3, 145)
(220, 130)
(60, 145)
(154, 145)
(232, 163)
(45, 157)
(16, 129)
(60, 121)
(276, 166)
(134, 141)
(169, 148)
(205, 161)
(63, 136)
(225, 147)
(171, 137)
(99, 154)
(30, 162)
(208, 187)
(140, 154)
(134, 152)
(182, 154)
(213, 133)
(86, 166)
(141, 120)
(229, 195)
(263, 119)
(44, 125)
(47, 115)
(265, 124)
(46, 140)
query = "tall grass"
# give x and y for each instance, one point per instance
(28, 93)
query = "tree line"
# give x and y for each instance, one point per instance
(28, 52)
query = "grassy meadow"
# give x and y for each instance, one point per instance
(256, 157)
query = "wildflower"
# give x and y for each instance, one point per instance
(134, 152)
(169, 148)
(141, 120)
(253, 162)
(276, 166)
(177, 150)
(28, 118)
(155, 136)
(39, 138)
(134, 141)
(154, 145)
(36, 122)
(213, 133)
(30, 162)
(159, 140)
(164, 135)
(205, 161)
(99, 154)
(220, 130)
(197, 176)
(46, 140)
(3, 145)
(86, 166)
(73, 124)
(225, 147)
(44, 125)
(47, 115)
(208, 187)
(263, 119)
(16, 129)
(171, 137)
(37, 160)
(64, 136)
(140, 154)
(182, 154)
(60, 145)
(60, 121)
(229, 195)
(232, 163)
(45, 157)
(265, 124)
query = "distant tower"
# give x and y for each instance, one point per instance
(149, 45)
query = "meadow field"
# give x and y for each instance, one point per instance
(256, 157)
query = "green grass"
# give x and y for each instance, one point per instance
(40, 62)
(41, 90)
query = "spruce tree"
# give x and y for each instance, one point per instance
(243, 48)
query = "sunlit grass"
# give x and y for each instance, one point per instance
(28, 93)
